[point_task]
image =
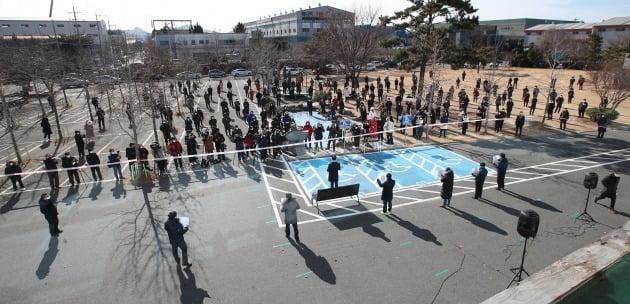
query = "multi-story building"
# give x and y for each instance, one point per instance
(202, 47)
(611, 30)
(95, 31)
(296, 26)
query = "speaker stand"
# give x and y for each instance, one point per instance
(584, 213)
(518, 271)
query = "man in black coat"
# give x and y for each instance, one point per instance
(49, 210)
(70, 163)
(176, 231)
(519, 122)
(78, 138)
(480, 177)
(92, 159)
(502, 166)
(333, 172)
(50, 163)
(448, 179)
(610, 183)
(13, 168)
(387, 195)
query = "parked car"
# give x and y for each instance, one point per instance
(370, 67)
(332, 67)
(107, 79)
(294, 70)
(188, 75)
(324, 71)
(216, 74)
(377, 63)
(71, 82)
(241, 72)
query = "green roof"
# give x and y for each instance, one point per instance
(523, 20)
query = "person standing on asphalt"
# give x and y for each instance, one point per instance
(610, 183)
(50, 163)
(176, 232)
(13, 168)
(70, 163)
(49, 210)
(502, 166)
(448, 179)
(602, 124)
(113, 160)
(387, 195)
(78, 139)
(175, 147)
(100, 114)
(93, 161)
(290, 207)
(480, 177)
(564, 116)
(333, 172)
(519, 122)
(46, 129)
(582, 108)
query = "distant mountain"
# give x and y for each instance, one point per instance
(137, 33)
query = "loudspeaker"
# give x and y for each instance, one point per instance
(590, 180)
(528, 222)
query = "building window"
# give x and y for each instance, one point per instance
(602, 30)
(294, 30)
(92, 25)
(24, 25)
(163, 43)
(77, 25)
(43, 25)
(306, 30)
(200, 41)
(319, 30)
(60, 25)
(576, 33)
(6, 25)
(192, 42)
(207, 41)
(620, 29)
(529, 34)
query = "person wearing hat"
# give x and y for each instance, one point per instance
(387, 195)
(176, 232)
(480, 177)
(610, 183)
(93, 161)
(290, 207)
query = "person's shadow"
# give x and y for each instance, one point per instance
(96, 190)
(317, 264)
(49, 257)
(119, 190)
(15, 198)
(424, 234)
(534, 202)
(191, 294)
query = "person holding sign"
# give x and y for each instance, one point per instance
(447, 178)
(387, 195)
(480, 177)
(502, 165)
(176, 230)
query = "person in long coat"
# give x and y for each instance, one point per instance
(46, 129)
(480, 177)
(447, 179)
(89, 129)
(48, 208)
(290, 207)
(333, 172)
(387, 195)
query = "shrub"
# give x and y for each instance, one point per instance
(595, 112)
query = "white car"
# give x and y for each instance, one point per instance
(295, 71)
(332, 67)
(377, 64)
(241, 72)
(370, 67)
(188, 75)
(106, 79)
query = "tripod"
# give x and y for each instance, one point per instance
(585, 213)
(518, 271)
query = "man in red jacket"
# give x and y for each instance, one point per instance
(176, 151)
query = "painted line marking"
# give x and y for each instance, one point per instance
(271, 200)
(584, 161)
(270, 222)
(462, 187)
(278, 178)
(441, 272)
(519, 241)
(575, 214)
(281, 245)
(407, 243)
(568, 165)
(274, 167)
(429, 191)
(296, 182)
(262, 206)
(303, 274)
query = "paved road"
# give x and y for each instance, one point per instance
(114, 249)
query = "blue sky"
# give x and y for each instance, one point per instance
(221, 15)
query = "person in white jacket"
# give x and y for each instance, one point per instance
(389, 130)
(290, 207)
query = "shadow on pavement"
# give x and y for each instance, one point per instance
(477, 221)
(364, 221)
(534, 202)
(317, 264)
(506, 209)
(15, 198)
(49, 257)
(191, 294)
(423, 234)
(119, 190)
(96, 190)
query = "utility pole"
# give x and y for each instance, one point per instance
(74, 13)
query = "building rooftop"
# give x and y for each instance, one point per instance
(562, 26)
(615, 21)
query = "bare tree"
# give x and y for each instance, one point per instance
(8, 120)
(349, 40)
(611, 82)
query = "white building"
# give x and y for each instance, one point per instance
(611, 30)
(202, 47)
(96, 31)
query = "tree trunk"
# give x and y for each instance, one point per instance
(87, 101)
(39, 99)
(9, 123)
(65, 98)
(423, 69)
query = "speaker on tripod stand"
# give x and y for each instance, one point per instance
(590, 182)
(528, 221)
